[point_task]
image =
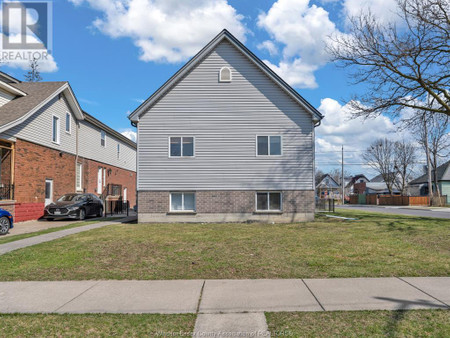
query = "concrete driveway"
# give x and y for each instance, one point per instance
(398, 210)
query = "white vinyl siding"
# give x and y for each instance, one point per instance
(38, 127)
(90, 147)
(5, 97)
(225, 119)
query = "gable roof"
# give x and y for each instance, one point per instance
(322, 178)
(355, 178)
(37, 95)
(224, 35)
(442, 172)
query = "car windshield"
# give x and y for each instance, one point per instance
(72, 198)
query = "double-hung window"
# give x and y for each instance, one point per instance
(181, 146)
(103, 139)
(268, 145)
(268, 201)
(55, 129)
(68, 123)
(182, 201)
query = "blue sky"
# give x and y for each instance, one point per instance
(115, 56)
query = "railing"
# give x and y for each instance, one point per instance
(325, 205)
(117, 207)
(6, 191)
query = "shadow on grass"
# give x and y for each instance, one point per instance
(399, 314)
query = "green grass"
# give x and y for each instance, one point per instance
(93, 325)
(376, 245)
(13, 238)
(416, 323)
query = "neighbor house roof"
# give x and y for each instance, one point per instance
(37, 94)
(442, 172)
(323, 184)
(356, 178)
(379, 187)
(224, 35)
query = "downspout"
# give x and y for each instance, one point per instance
(315, 125)
(76, 154)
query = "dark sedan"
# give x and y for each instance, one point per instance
(77, 206)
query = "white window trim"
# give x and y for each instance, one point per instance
(70, 124)
(220, 75)
(102, 132)
(182, 202)
(268, 202)
(268, 145)
(80, 187)
(58, 129)
(193, 146)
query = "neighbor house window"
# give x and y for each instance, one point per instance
(79, 175)
(55, 129)
(225, 74)
(268, 201)
(268, 145)
(182, 201)
(118, 150)
(102, 138)
(67, 123)
(181, 146)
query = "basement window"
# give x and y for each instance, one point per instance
(225, 75)
(268, 201)
(182, 201)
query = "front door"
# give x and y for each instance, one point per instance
(48, 192)
(99, 181)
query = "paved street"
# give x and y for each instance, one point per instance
(226, 305)
(398, 210)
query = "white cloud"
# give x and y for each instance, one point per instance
(131, 134)
(166, 30)
(303, 31)
(338, 128)
(47, 65)
(385, 10)
(268, 46)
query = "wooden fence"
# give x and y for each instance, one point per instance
(396, 200)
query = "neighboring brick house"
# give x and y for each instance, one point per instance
(225, 139)
(50, 147)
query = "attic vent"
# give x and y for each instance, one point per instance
(225, 74)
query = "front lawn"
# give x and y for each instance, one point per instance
(417, 323)
(94, 325)
(376, 245)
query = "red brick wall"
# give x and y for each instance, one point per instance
(114, 175)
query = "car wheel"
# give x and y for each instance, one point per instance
(82, 214)
(100, 212)
(4, 225)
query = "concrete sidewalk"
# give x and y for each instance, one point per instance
(225, 296)
(23, 243)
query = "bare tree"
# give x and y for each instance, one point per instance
(336, 174)
(405, 158)
(434, 137)
(405, 65)
(380, 156)
(319, 175)
(33, 74)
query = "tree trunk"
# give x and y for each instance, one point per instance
(427, 152)
(438, 191)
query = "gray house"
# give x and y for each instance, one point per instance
(225, 139)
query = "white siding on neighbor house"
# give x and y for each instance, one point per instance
(5, 97)
(225, 118)
(90, 147)
(38, 127)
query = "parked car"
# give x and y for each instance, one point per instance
(77, 206)
(6, 222)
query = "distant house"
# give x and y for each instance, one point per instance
(50, 147)
(225, 139)
(419, 186)
(328, 188)
(350, 186)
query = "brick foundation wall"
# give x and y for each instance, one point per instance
(227, 202)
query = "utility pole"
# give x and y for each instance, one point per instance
(343, 181)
